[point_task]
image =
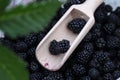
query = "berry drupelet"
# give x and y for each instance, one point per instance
(36, 76)
(76, 25)
(56, 48)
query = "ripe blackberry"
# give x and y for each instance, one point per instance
(112, 54)
(76, 25)
(36, 76)
(109, 66)
(31, 39)
(117, 11)
(113, 42)
(94, 64)
(108, 8)
(114, 18)
(34, 66)
(61, 12)
(86, 78)
(100, 56)
(116, 74)
(21, 46)
(118, 65)
(78, 69)
(83, 56)
(69, 75)
(88, 37)
(94, 73)
(89, 47)
(96, 31)
(31, 53)
(22, 55)
(54, 76)
(109, 28)
(40, 36)
(100, 43)
(108, 76)
(56, 48)
(117, 32)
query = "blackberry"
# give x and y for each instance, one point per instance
(116, 74)
(94, 73)
(109, 66)
(108, 8)
(113, 42)
(40, 36)
(108, 76)
(89, 47)
(7, 43)
(36, 76)
(21, 46)
(54, 76)
(100, 56)
(112, 54)
(31, 53)
(117, 32)
(61, 12)
(78, 69)
(34, 66)
(88, 37)
(83, 57)
(96, 31)
(86, 78)
(94, 64)
(114, 18)
(31, 39)
(100, 43)
(69, 75)
(76, 25)
(22, 55)
(117, 11)
(56, 48)
(109, 28)
(118, 65)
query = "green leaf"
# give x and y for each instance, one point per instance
(25, 19)
(11, 67)
(3, 4)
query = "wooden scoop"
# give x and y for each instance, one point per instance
(60, 32)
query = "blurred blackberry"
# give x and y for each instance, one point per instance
(21, 46)
(108, 8)
(64, 45)
(83, 57)
(7, 43)
(61, 12)
(88, 37)
(31, 39)
(118, 65)
(94, 64)
(117, 32)
(86, 78)
(88, 47)
(40, 36)
(94, 73)
(116, 74)
(109, 28)
(112, 54)
(100, 43)
(34, 66)
(114, 19)
(76, 25)
(31, 53)
(54, 76)
(113, 42)
(109, 66)
(59, 47)
(100, 16)
(117, 11)
(78, 69)
(100, 56)
(22, 55)
(108, 76)
(68, 75)
(36, 76)
(96, 31)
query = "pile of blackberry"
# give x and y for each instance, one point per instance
(96, 58)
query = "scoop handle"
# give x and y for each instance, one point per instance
(92, 4)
